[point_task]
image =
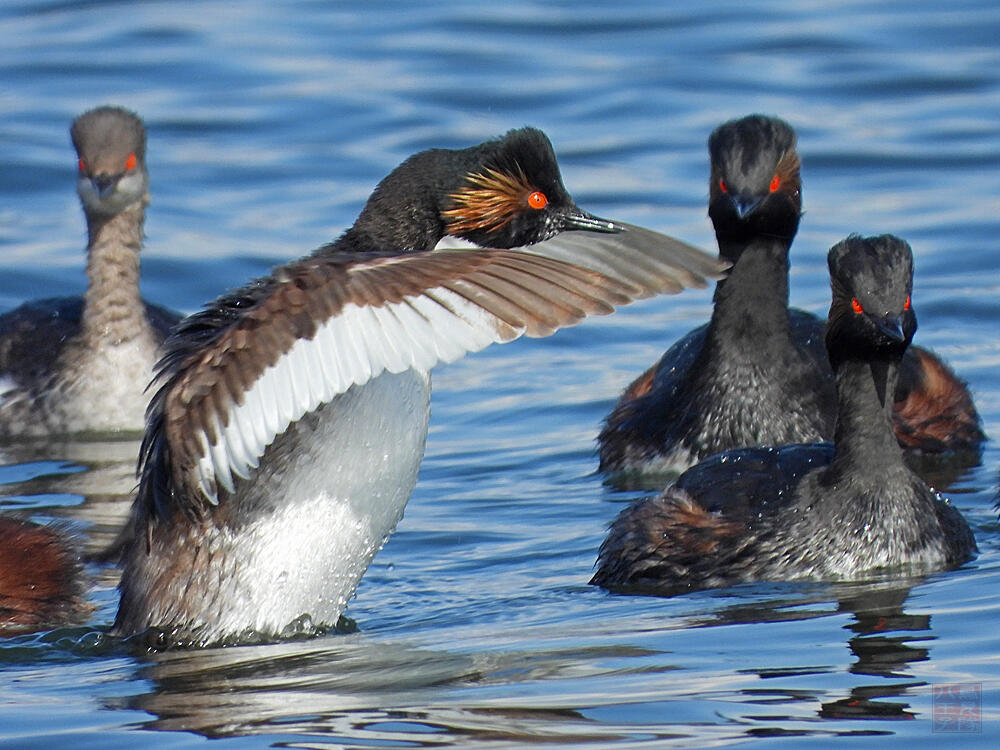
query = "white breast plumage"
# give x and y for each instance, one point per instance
(343, 474)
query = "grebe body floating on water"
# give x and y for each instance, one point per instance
(81, 364)
(757, 373)
(291, 415)
(820, 511)
(41, 579)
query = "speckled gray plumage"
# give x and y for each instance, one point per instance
(82, 364)
(806, 511)
(758, 374)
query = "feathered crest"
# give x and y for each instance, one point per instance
(788, 171)
(489, 202)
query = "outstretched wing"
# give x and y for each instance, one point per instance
(238, 373)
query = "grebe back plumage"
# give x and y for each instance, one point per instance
(840, 511)
(757, 373)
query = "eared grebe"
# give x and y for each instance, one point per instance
(807, 511)
(81, 364)
(40, 578)
(757, 373)
(290, 421)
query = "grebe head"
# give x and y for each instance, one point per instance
(110, 143)
(515, 195)
(502, 193)
(754, 188)
(871, 314)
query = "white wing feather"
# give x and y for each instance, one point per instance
(438, 325)
(349, 349)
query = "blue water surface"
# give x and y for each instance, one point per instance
(269, 124)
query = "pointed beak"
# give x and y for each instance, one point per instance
(576, 218)
(744, 205)
(104, 184)
(891, 326)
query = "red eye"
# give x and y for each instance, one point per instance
(723, 186)
(537, 200)
(81, 166)
(856, 306)
(775, 183)
(130, 162)
(906, 305)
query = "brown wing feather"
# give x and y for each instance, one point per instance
(215, 356)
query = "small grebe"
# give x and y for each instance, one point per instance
(81, 364)
(40, 578)
(290, 421)
(757, 373)
(807, 511)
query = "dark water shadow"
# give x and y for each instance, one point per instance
(883, 638)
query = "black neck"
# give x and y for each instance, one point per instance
(403, 213)
(864, 437)
(397, 237)
(751, 304)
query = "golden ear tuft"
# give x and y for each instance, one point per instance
(488, 202)
(786, 175)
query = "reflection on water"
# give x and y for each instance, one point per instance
(377, 691)
(882, 644)
(348, 687)
(94, 479)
